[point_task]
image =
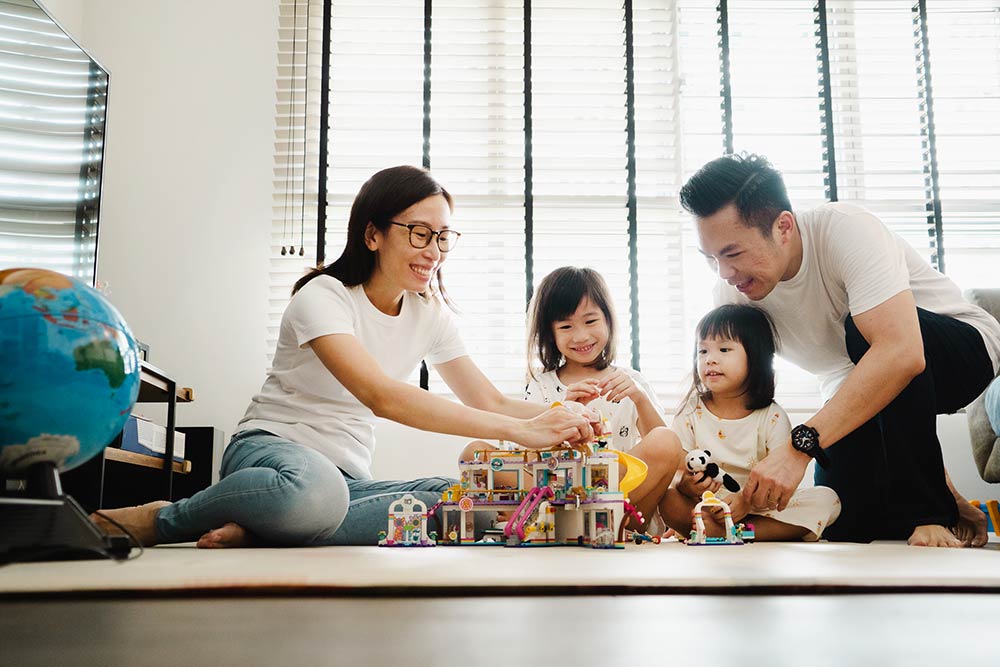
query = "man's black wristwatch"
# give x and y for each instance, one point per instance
(806, 440)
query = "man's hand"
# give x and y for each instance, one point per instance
(692, 488)
(773, 481)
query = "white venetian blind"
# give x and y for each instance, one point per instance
(579, 120)
(776, 103)
(296, 153)
(51, 142)
(477, 153)
(965, 55)
(662, 284)
(579, 147)
(876, 113)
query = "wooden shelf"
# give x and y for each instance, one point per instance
(114, 454)
(155, 386)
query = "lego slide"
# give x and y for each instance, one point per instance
(635, 472)
(525, 510)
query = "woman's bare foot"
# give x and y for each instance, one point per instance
(139, 520)
(229, 536)
(934, 536)
(971, 528)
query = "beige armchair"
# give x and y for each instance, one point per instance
(985, 443)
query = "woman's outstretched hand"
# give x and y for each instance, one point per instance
(556, 426)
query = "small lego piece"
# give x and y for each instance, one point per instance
(698, 536)
(991, 508)
(407, 525)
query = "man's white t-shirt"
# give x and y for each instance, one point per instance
(851, 263)
(623, 417)
(302, 401)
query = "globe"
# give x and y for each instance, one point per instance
(69, 370)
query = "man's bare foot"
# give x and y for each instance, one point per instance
(229, 536)
(934, 536)
(139, 520)
(971, 528)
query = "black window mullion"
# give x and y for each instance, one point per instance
(425, 376)
(633, 256)
(727, 88)
(929, 138)
(826, 104)
(324, 135)
(529, 197)
(427, 83)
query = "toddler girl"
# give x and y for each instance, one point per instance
(730, 411)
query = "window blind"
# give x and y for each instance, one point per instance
(965, 59)
(565, 129)
(296, 155)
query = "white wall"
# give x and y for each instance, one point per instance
(68, 14)
(186, 208)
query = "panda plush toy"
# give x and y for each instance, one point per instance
(700, 460)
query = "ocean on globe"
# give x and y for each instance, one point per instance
(69, 370)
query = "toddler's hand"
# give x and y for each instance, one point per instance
(583, 392)
(738, 507)
(692, 488)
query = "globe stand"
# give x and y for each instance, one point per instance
(41, 523)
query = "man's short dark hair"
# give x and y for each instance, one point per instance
(746, 180)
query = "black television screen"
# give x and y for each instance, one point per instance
(53, 115)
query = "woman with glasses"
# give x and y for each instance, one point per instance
(298, 471)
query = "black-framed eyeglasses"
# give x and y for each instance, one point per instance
(421, 236)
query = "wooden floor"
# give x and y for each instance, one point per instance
(915, 629)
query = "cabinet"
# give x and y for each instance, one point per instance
(117, 478)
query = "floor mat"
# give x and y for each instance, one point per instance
(647, 568)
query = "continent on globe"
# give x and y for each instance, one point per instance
(101, 355)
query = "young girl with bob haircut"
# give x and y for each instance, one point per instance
(730, 411)
(298, 471)
(572, 337)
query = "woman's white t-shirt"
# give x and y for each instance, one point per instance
(623, 417)
(302, 401)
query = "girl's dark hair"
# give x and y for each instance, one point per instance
(752, 328)
(557, 297)
(746, 180)
(383, 196)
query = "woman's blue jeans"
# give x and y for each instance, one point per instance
(287, 494)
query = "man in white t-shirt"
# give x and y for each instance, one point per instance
(891, 340)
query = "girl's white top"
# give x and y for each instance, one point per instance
(735, 444)
(622, 417)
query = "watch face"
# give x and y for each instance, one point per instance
(804, 438)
